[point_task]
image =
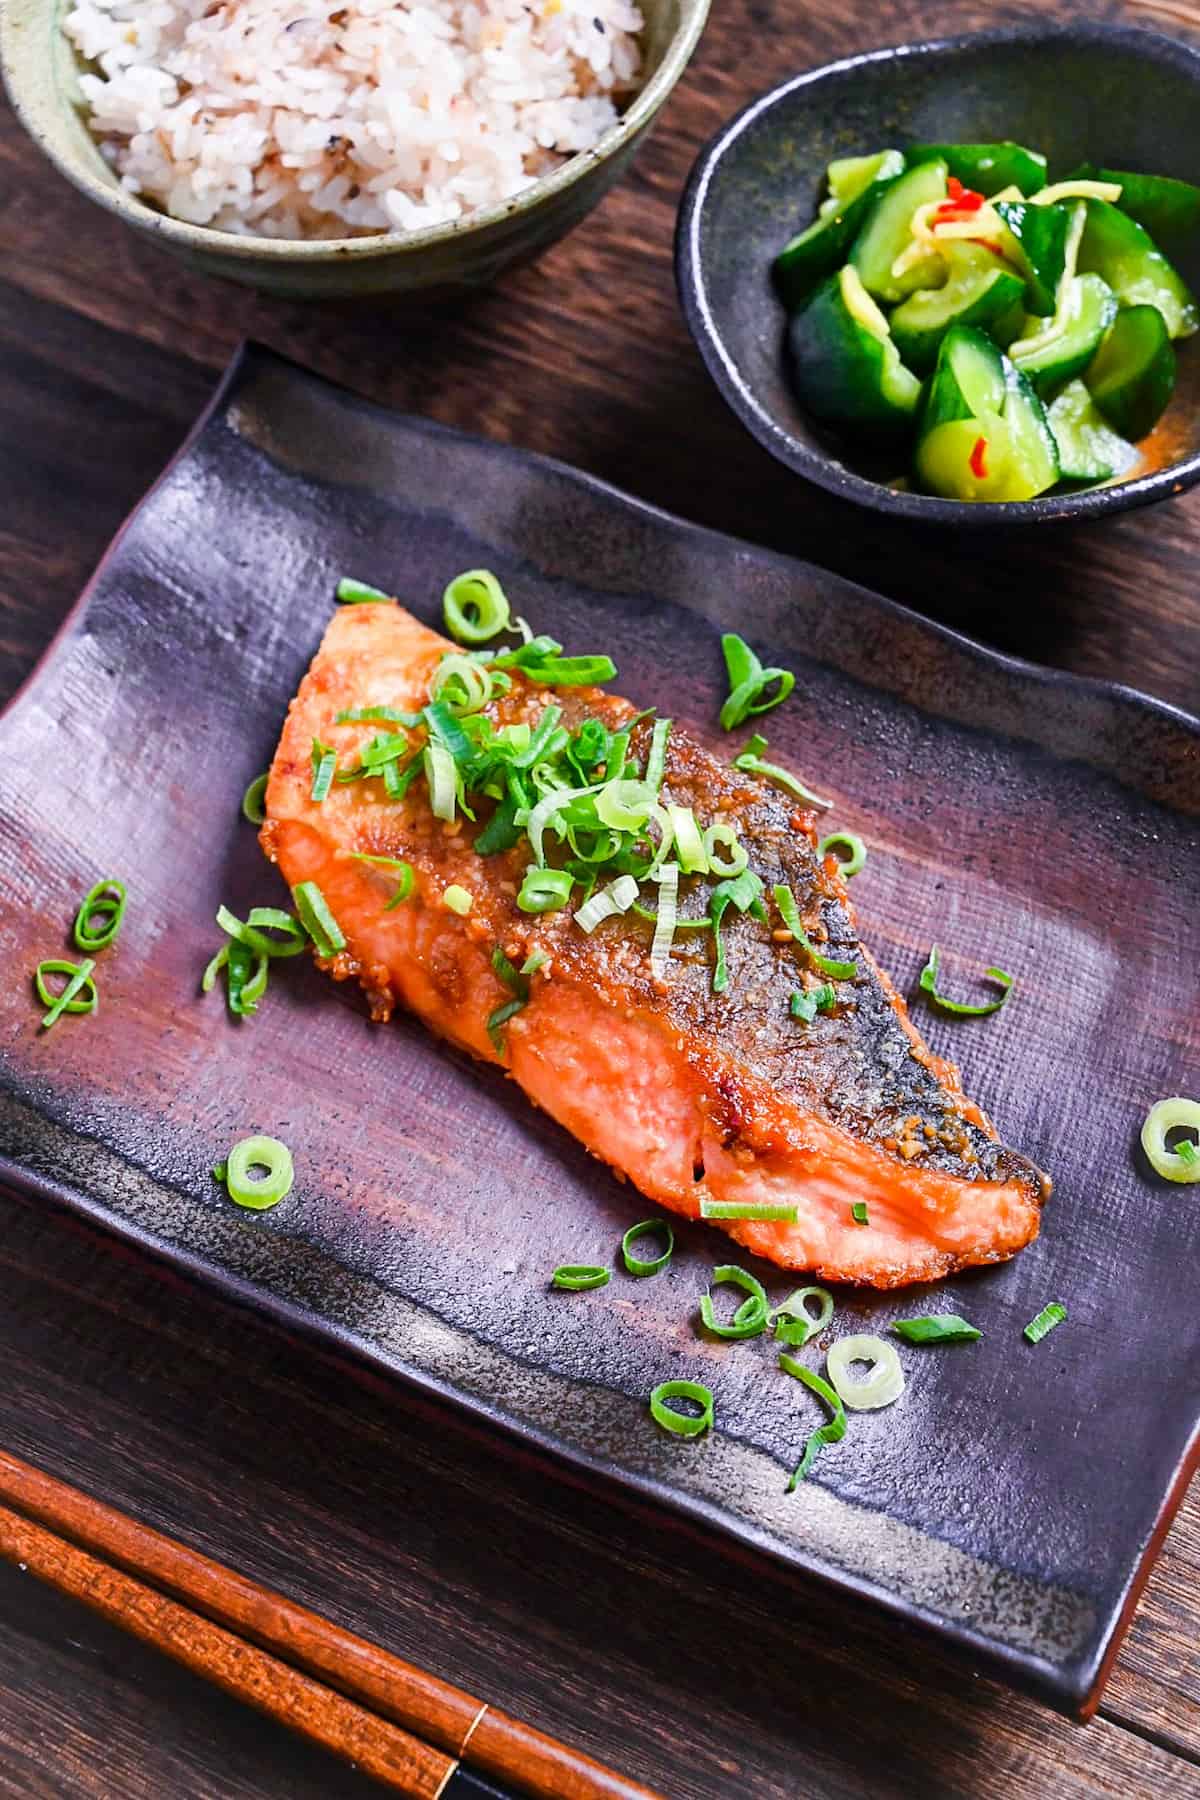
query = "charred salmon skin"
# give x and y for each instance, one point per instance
(698, 1085)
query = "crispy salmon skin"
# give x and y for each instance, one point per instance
(694, 1095)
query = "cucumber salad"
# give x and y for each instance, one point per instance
(1016, 334)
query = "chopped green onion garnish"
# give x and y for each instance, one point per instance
(742, 892)
(252, 931)
(656, 760)
(252, 800)
(324, 764)
(458, 900)
(785, 900)
(405, 875)
(637, 1265)
(576, 1277)
(100, 913)
(475, 607)
(664, 929)
(854, 860)
(737, 1209)
(537, 959)
(689, 844)
(209, 979)
(751, 1316)
(219, 1171)
(722, 836)
(571, 671)
(243, 966)
(544, 890)
(1047, 1319)
(929, 975)
(317, 919)
(936, 1328)
(792, 1322)
(616, 898)
(463, 685)
(498, 1020)
(884, 1384)
(79, 994)
(1175, 1114)
(808, 1004)
(258, 1191)
(831, 1433)
(354, 593)
(749, 683)
(442, 778)
(750, 762)
(858, 1212)
(682, 1424)
(509, 974)
(391, 715)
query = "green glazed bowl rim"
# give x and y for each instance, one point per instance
(34, 110)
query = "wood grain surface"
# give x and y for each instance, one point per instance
(614, 1633)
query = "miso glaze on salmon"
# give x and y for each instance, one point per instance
(694, 1094)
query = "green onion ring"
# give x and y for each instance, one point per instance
(936, 1328)
(929, 976)
(737, 1209)
(1171, 1115)
(723, 836)
(577, 1278)
(259, 1191)
(855, 860)
(475, 607)
(462, 685)
(1047, 1319)
(682, 1424)
(317, 919)
(104, 903)
(636, 1265)
(79, 983)
(830, 1433)
(209, 978)
(544, 890)
(883, 1385)
(251, 931)
(252, 800)
(356, 593)
(785, 900)
(796, 1325)
(750, 1319)
(404, 872)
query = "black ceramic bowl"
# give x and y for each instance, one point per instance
(1119, 97)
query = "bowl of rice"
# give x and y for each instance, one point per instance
(345, 147)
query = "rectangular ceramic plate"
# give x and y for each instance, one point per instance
(1013, 1498)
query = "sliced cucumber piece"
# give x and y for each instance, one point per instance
(987, 167)
(820, 249)
(1168, 209)
(1034, 451)
(1035, 239)
(845, 367)
(1116, 247)
(1051, 354)
(1088, 448)
(980, 290)
(1132, 375)
(966, 459)
(887, 233)
(967, 382)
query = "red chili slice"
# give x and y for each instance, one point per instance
(978, 459)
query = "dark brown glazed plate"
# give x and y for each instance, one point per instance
(1013, 1499)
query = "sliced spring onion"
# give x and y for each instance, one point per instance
(317, 919)
(324, 767)
(252, 800)
(242, 966)
(457, 900)
(929, 976)
(391, 715)
(498, 1020)
(509, 974)
(617, 897)
(750, 762)
(751, 1316)
(1047, 1319)
(664, 928)
(884, 1384)
(100, 913)
(688, 841)
(855, 857)
(544, 890)
(722, 836)
(253, 929)
(737, 1209)
(219, 1171)
(442, 778)
(785, 900)
(537, 959)
(858, 1212)
(750, 683)
(792, 1322)
(475, 607)
(255, 986)
(656, 759)
(571, 671)
(682, 1424)
(79, 995)
(209, 978)
(624, 805)
(554, 802)
(831, 1433)
(354, 593)
(404, 872)
(1175, 1114)
(638, 1265)
(808, 1004)
(577, 1277)
(744, 892)
(462, 685)
(259, 1191)
(936, 1328)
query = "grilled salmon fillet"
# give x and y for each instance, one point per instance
(691, 1094)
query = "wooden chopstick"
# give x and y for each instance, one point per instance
(278, 1655)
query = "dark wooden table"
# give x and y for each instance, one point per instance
(622, 1635)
